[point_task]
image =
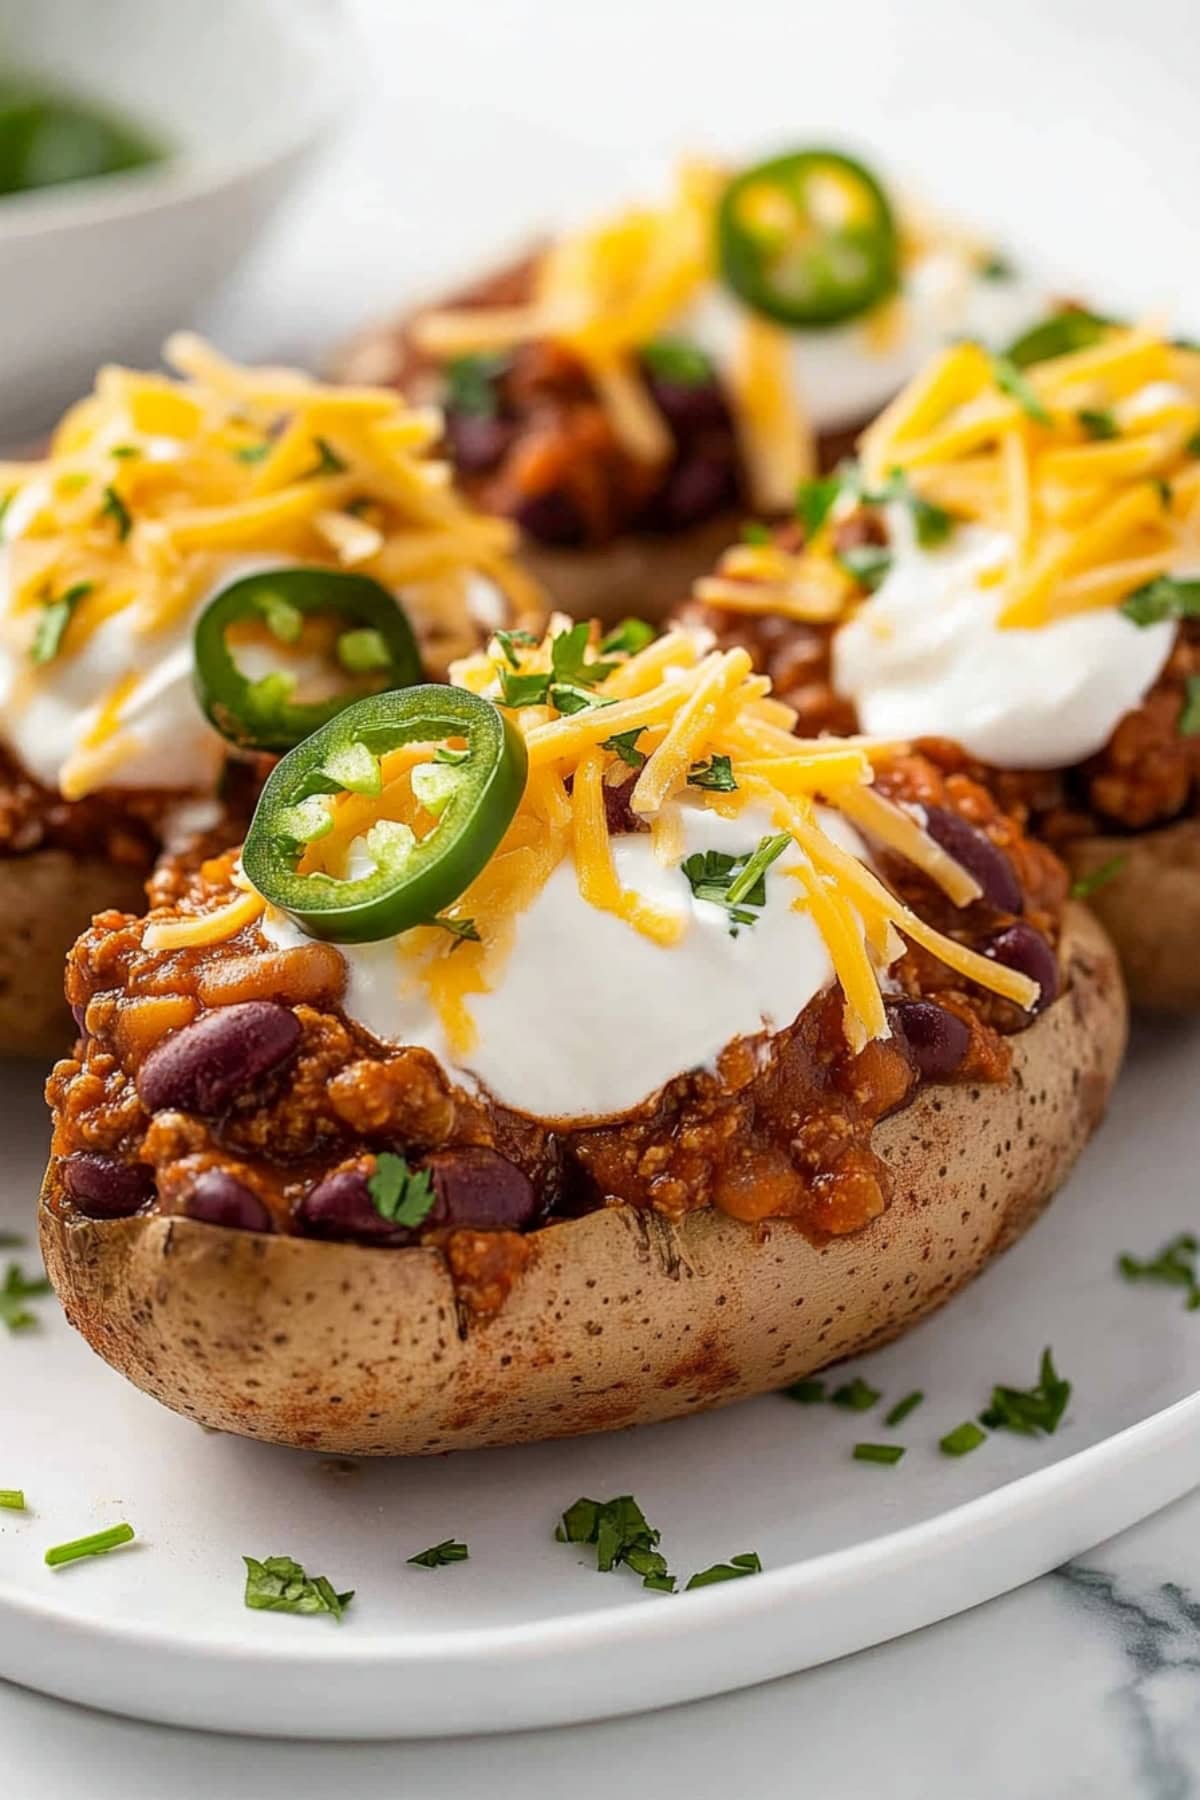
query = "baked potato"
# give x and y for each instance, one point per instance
(1062, 670)
(629, 392)
(571, 1073)
(350, 568)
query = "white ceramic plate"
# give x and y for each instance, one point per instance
(524, 1634)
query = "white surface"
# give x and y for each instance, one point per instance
(1068, 127)
(524, 1634)
(100, 271)
(585, 1004)
(925, 657)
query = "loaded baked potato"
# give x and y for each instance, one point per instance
(1013, 571)
(629, 391)
(569, 1047)
(321, 504)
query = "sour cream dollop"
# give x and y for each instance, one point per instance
(926, 657)
(588, 1017)
(845, 377)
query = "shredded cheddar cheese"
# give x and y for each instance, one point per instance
(1090, 515)
(153, 483)
(688, 711)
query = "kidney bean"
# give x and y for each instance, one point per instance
(696, 489)
(1022, 948)
(104, 1188)
(479, 1189)
(340, 1208)
(551, 517)
(218, 1198)
(619, 816)
(690, 408)
(478, 444)
(978, 855)
(936, 1040)
(203, 1068)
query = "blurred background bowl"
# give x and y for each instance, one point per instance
(237, 92)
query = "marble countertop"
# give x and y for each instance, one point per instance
(1082, 1686)
(1087, 1682)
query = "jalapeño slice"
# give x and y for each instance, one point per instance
(808, 239)
(375, 648)
(408, 880)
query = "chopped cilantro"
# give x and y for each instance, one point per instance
(570, 697)
(1009, 379)
(855, 1396)
(676, 361)
(619, 1530)
(568, 658)
(815, 501)
(399, 1193)
(1098, 421)
(15, 1290)
(465, 930)
(1030, 1410)
(1166, 597)
(962, 1440)
(755, 532)
(1084, 885)
(471, 384)
(508, 642)
(53, 621)
(630, 636)
(733, 1570)
(1174, 1266)
(1192, 448)
(328, 461)
(125, 452)
(438, 1555)
(113, 507)
(6, 501)
(878, 1453)
(808, 1393)
(737, 883)
(523, 690)
(624, 745)
(1071, 329)
(868, 563)
(280, 1585)
(998, 268)
(898, 1413)
(253, 453)
(96, 1545)
(716, 775)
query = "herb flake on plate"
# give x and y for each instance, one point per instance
(279, 1584)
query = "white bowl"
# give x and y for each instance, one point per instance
(239, 90)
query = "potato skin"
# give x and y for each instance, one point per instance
(1151, 909)
(47, 897)
(620, 1318)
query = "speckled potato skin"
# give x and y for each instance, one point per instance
(619, 1318)
(47, 897)
(1151, 910)
(636, 576)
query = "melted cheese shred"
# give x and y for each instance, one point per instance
(1089, 469)
(696, 710)
(156, 489)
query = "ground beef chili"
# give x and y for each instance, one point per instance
(1147, 775)
(225, 1082)
(544, 452)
